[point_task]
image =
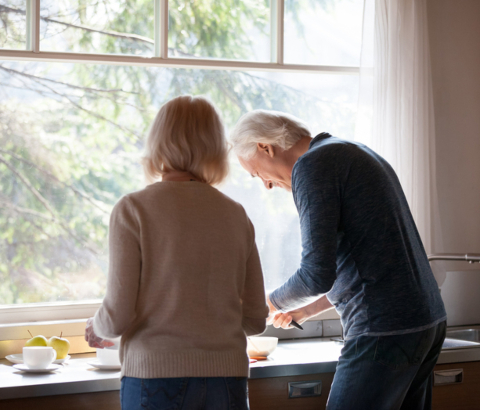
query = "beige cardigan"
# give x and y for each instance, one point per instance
(185, 283)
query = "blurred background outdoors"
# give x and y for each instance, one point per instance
(71, 135)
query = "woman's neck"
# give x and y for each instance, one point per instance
(179, 176)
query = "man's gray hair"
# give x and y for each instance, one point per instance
(268, 127)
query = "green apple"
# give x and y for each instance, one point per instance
(36, 341)
(61, 345)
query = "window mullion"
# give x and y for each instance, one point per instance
(33, 25)
(276, 31)
(161, 28)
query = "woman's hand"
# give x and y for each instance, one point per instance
(93, 340)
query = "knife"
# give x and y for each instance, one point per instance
(295, 324)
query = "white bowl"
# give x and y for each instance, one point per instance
(108, 357)
(261, 345)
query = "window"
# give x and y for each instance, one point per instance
(13, 29)
(80, 83)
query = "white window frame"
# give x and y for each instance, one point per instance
(68, 311)
(160, 58)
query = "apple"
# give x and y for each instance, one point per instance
(36, 341)
(61, 345)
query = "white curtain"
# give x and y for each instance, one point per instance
(395, 113)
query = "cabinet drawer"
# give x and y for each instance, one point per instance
(273, 393)
(459, 396)
(108, 400)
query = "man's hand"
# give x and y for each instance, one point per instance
(93, 340)
(300, 316)
(272, 311)
(283, 320)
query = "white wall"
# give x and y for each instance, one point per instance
(454, 29)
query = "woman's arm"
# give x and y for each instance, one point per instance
(118, 308)
(283, 320)
(254, 306)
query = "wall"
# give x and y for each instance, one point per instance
(454, 29)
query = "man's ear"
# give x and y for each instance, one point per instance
(266, 149)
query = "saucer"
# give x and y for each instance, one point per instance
(24, 368)
(101, 366)
(18, 359)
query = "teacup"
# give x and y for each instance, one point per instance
(108, 356)
(39, 357)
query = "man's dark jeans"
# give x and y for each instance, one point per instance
(387, 372)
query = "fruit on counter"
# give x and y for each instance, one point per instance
(36, 341)
(61, 345)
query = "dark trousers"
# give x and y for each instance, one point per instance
(184, 393)
(387, 372)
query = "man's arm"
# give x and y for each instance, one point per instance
(317, 189)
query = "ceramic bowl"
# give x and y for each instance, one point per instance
(261, 345)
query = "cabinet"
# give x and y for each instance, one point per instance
(459, 396)
(109, 400)
(272, 393)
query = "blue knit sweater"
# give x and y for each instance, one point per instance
(360, 243)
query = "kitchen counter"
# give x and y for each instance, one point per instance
(76, 376)
(291, 358)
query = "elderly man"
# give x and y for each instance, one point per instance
(361, 253)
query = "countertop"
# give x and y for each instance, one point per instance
(291, 358)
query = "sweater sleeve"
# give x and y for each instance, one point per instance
(254, 304)
(118, 308)
(317, 192)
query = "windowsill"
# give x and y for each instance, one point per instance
(14, 335)
(42, 312)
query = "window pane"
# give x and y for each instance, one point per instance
(13, 24)
(231, 29)
(70, 147)
(91, 26)
(327, 32)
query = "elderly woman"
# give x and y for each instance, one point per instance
(185, 284)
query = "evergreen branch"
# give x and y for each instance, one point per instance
(92, 113)
(111, 33)
(116, 101)
(29, 186)
(50, 175)
(27, 211)
(134, 37)
(45, 203)
(77, 87)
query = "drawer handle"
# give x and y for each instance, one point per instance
(304, 389)
(447, 377)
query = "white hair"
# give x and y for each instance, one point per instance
(268, 127)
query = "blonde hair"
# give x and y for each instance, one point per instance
(268, 127)
(187, 135)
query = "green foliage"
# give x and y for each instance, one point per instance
(12, 24)
(217, 29)
(71, 136)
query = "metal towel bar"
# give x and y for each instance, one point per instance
(467, 257)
